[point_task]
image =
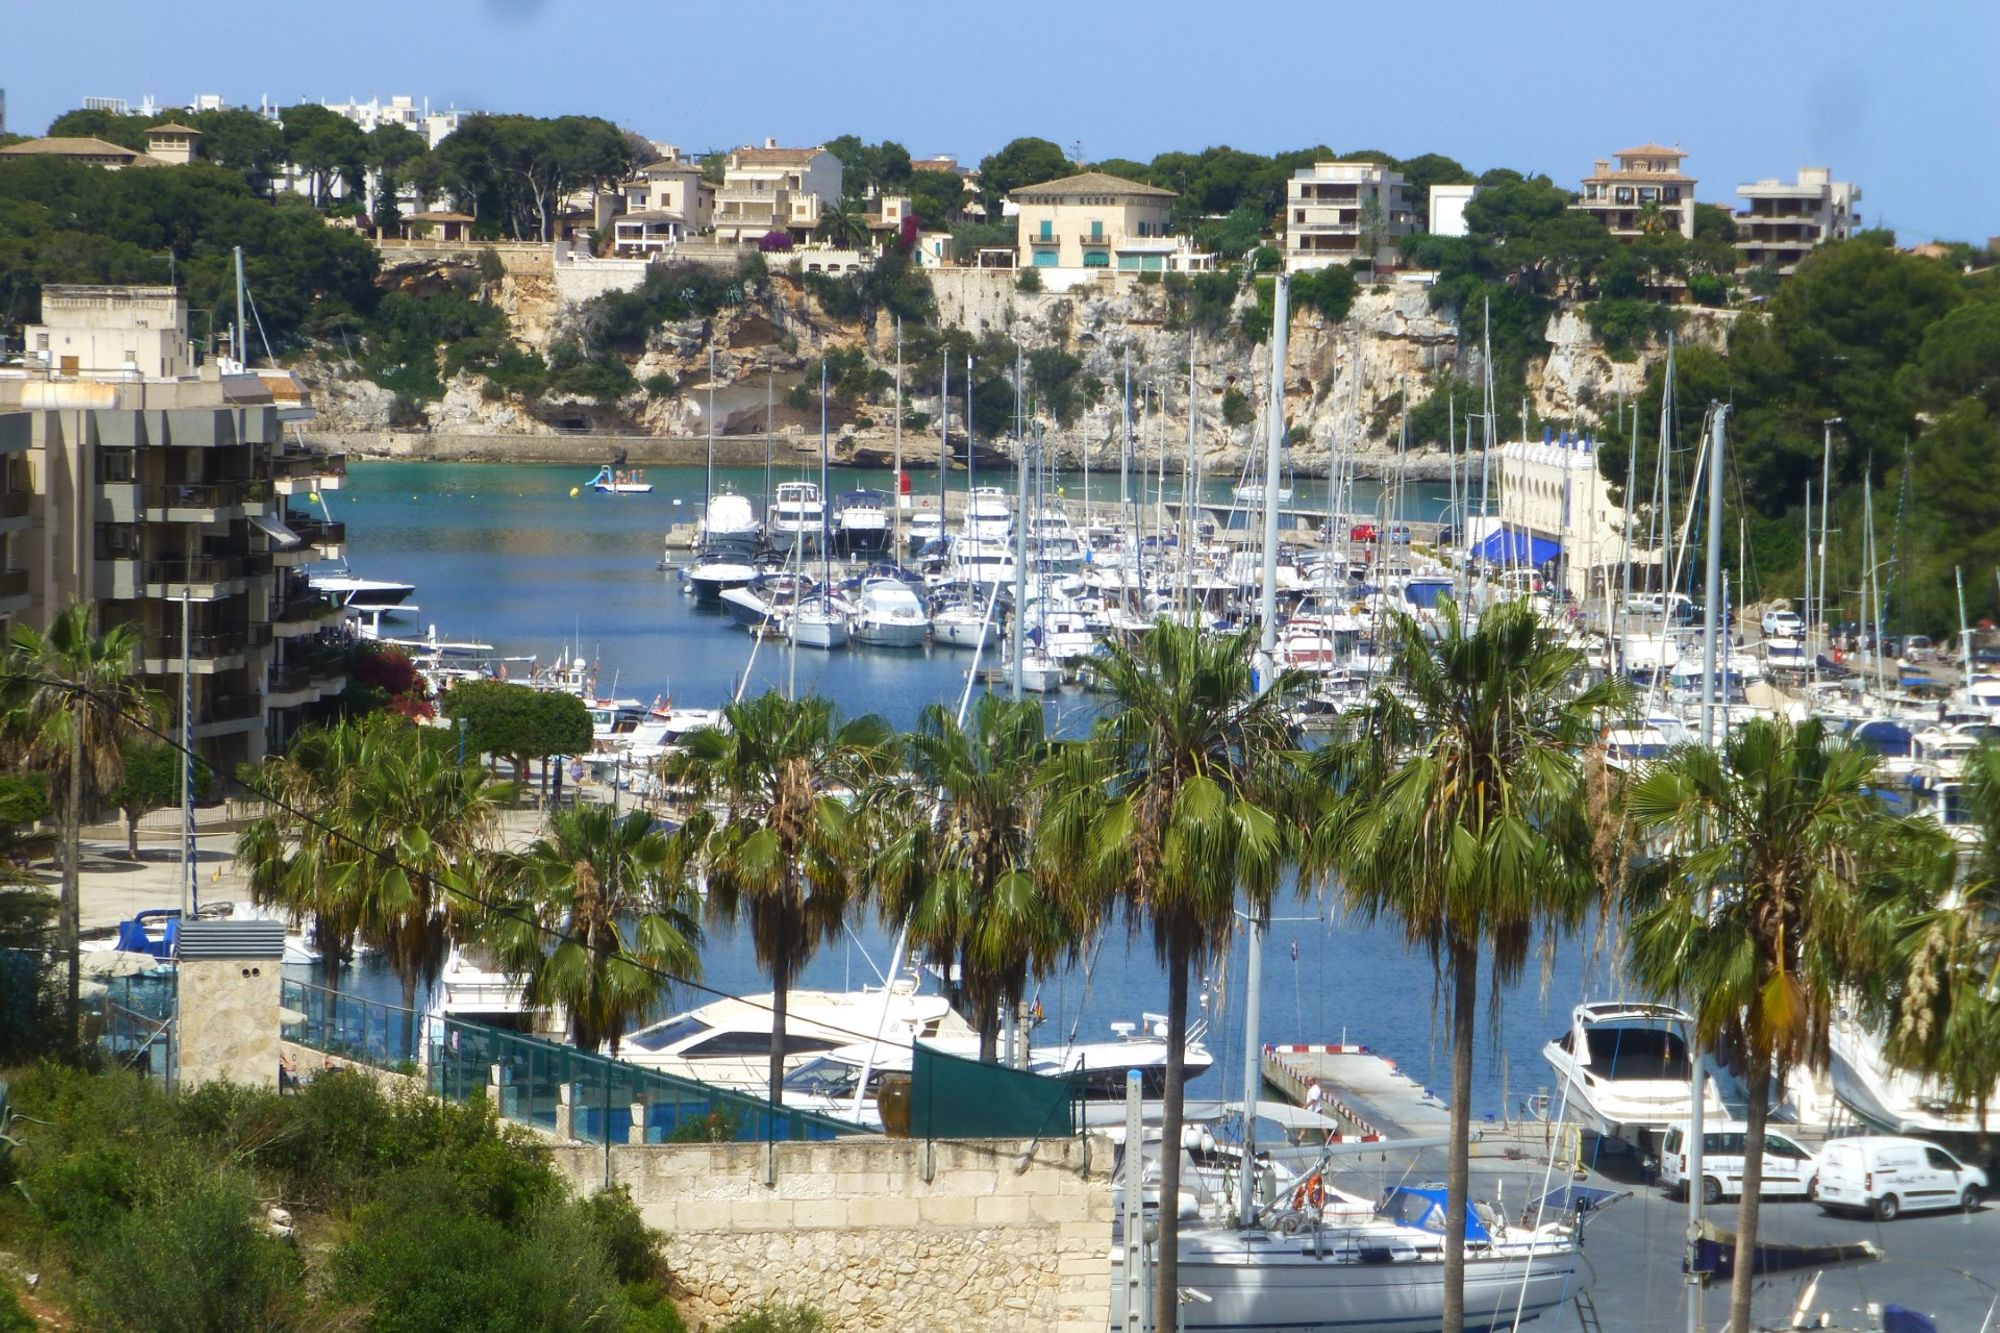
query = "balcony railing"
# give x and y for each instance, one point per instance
(205, 495)
(229, 708)
(314, 532)
(291, 680)
(302, 609)
(306, 463)
(207, 646)
(196, 571)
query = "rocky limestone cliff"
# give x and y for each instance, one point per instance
(1343, 378)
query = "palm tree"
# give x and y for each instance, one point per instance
(598, 922)
(72, 696)
(1457, 806)
(1766, 907)
(844, 223)
(956, 870)
(786, 850)
(427, 815)
(1181, 797)
(302, 852)
(1942, 1006)
(368, 820)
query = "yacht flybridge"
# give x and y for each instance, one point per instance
(1627, 1069)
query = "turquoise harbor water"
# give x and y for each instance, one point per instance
(503, 555)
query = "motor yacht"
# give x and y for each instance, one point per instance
(861, 522)
(891, 615)
(797, 517)
(1627, 1071)
(728, 1042)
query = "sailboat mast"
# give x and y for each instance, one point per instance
(896, 495)
(708, 485)
(770, 405)
(241, 348)
(1267, 671)
(944, 439)
(825, 530)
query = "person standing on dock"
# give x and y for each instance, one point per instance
(1314, 1095)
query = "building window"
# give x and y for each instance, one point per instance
(1096, 230)
(1096, 259)
(1048, 232)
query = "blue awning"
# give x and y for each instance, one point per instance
(1506, 546)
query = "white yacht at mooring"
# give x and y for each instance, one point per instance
(1627, 1070)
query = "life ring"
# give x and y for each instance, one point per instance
(1311, 1193)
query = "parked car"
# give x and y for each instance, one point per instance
(1783, 623)
(1790, 1169)
(1888, 1176)
(1918, 648)
(1399, 534)
(1361, 532)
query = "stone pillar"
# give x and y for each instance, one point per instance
(565, 1112)
(637, 1132)
(227, 1026)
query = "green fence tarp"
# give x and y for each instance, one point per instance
(953, 1098)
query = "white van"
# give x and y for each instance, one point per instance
(1790, 1169)
(1891, 1176)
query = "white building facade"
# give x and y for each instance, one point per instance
(1556, 514)
(1780, 223)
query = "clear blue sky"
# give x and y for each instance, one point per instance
(1900, 100)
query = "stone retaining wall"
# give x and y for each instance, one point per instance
(879, 1234)
(586, 451)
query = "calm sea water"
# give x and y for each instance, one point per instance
(504, 555)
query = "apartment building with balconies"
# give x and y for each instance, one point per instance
(1646, 193)
(664, 203)
(1341, 212)
(775, 189)
(158, 490)
(1780, 224)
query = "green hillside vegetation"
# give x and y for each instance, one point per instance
(1903, 351)
(411, 1215)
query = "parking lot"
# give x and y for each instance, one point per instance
(1946, 1265)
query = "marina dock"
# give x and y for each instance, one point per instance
(1363, 1090)
(1373, 1099)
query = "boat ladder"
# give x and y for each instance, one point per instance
(1586, 1314)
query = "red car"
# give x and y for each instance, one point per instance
(1362, 532)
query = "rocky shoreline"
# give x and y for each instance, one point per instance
(591, 450)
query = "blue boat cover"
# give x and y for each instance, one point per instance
(1424, 593)
(1507, 546)
(1416, 1206)
(1896, 1319)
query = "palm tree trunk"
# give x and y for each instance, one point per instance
(131, 835)
(1458, 1173)
(1167, 1274)
(73, 877)
(780, 983)
(989, 1036)
(1741, 1285)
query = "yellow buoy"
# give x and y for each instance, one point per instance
(575, 491)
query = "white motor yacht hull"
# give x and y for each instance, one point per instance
(710, 579)
(1894, 1101)
(1260, 1282)
(885, 633)
(745, 607)
(961, 631)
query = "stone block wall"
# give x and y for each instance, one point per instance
(229, 1021)
(986, 1236)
